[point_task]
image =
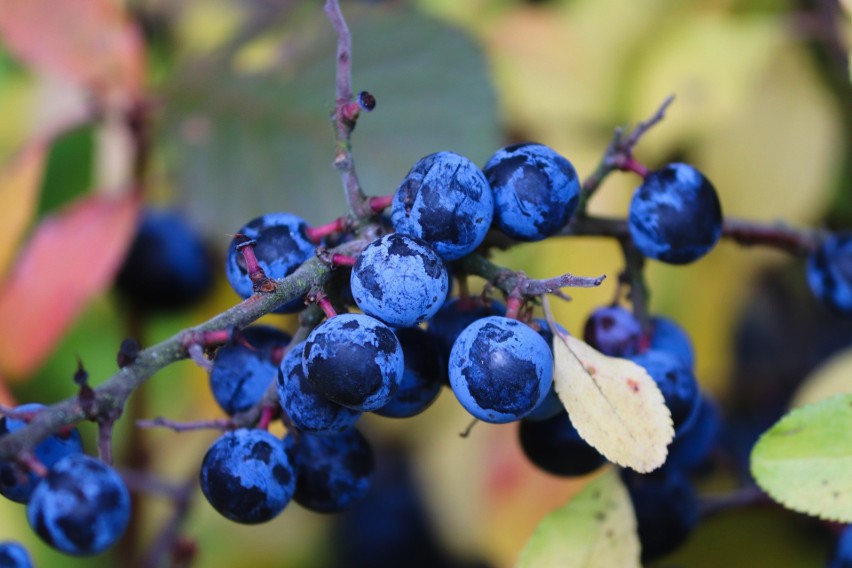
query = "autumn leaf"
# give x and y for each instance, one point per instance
(92, 43)
(71, 257)
(614, 404)
(19, 188)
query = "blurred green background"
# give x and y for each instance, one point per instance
(242, 92)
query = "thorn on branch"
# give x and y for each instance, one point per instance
(86, 395)
(127, 352)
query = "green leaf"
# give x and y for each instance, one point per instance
(596, 529)
(246, 143)
(805, 460)
(614, 404)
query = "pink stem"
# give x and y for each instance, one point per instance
(316, 234)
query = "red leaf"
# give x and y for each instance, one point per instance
(91, 42)
(72, 256)
(20, 181)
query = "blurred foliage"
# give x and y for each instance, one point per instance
(242, 92)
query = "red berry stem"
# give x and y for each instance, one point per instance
(379, 203)
(316, 234)
(267, 414)
(513, 305)
(631, 164)
(619, 156)
(259, 281)
(325, 304)
(342, 260)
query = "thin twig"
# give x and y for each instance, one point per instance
(114, 392)
(160, 422)
(619, 156)
(344, 117)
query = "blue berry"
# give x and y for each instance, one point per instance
(307, 409)
(391, 527)
(536, 191)
(81, 507)
(458, 313)
(555, 446)
(697, 436)
(675, 215)
(14, 555)
(551, 405)
(614, 331)
(333, 472)
(829, 272)
(282, 245)
(17, 484)
(242, 371)
(842, 557)
(666, 507)
(666, 335)
(500, 369)
(168, 266)
(399, 280)
(675, 380)
(247, 476)
(354, 360)
(423, 376)
(446, 201)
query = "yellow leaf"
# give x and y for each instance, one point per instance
(614, 404)
(19, 186)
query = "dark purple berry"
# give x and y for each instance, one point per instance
(247, 476)
(446, 201)
(675, 380)
(614, 331)
(354, 360)
(168, 267)
(14, 555)
(500, 369)
(536, 191)
(458, 313)
(18, 484)
(82, 506)
(675, 215)
(333, 472)
(306, 408)
(399, 280)
(281, 246)
(666, 507)
(425, 373)
(243, 370)
(829, 272)
(555, 446)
